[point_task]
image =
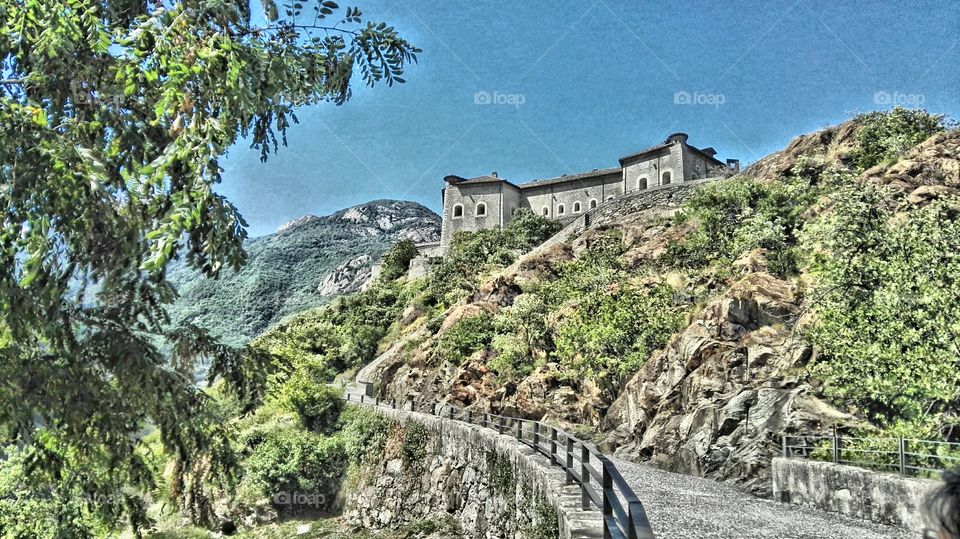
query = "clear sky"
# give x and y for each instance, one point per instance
(537, 88)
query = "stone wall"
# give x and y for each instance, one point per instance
(860, 493)
(490, 483)
(667, 197)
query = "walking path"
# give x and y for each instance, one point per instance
(683, 506)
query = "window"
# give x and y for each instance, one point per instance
(642, 183)
(458, 211)
(576, 207)
(665, 178)
(546, 211)
(593, 203)
(560, 209)
(481, 209)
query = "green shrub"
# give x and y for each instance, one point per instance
(397, 260)
(292, 460)
(316, 404)
(522, 336)
(465, 337)
(364, 433)
(414, 447)
(888, 309)
(736, 216)
(884, 136)
(473, 254)
(612, 334)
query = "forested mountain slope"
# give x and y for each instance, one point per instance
(306, 263)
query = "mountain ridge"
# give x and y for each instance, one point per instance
(306, 263)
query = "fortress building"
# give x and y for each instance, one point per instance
(490, 201)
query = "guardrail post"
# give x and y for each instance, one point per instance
(607, 486)
(569, 459)
(519, 428)
(450, 411)
(536, 436)
(361, 398)
(902, 449)
(836, 446)
(553, 446)
(584, 477)
(469, 415)
(502, 426)
(786, 450)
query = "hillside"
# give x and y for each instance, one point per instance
(306, 263)
(819, 288)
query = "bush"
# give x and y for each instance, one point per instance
(472, 254)
(522, 336)
(888, 307)
(364, 433)
(292, 460)
(316, 404)
(884, 136)
(465, 337)
(740, 215)
(611, 335)
(397, 260)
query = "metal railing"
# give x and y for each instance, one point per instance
(906, 456)
(601, 485)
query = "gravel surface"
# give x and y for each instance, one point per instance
(683, 506)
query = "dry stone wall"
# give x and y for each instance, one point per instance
(491, 484)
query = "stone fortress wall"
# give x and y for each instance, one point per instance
(490, 483)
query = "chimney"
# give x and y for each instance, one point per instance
(494, 174)
(709, 151)
(734, 164)
(677, 137)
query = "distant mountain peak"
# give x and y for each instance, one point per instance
(306, 219)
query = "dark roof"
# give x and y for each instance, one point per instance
(570, 177)
(652, 149)
(457, 180)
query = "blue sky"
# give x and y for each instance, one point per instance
(535, 88)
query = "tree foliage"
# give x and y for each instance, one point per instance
(114, 116)
(885, 135)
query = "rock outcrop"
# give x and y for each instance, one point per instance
(716, 400)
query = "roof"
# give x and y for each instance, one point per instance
(457, 180)
(652, 149)
(570, 177)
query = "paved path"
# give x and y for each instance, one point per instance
(681, 506)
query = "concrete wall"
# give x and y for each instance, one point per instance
(856, 492)
(652, 167)
(490, 483)
(469, 196)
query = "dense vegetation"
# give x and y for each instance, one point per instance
(885, 275)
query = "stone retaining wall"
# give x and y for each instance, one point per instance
(492, 484)
(880, 497)
(661, 196)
